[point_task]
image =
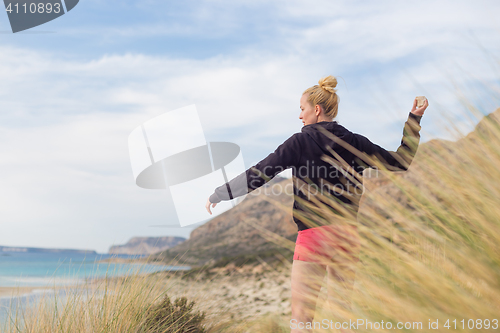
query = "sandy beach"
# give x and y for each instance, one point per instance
(8, 292)
(238, 293)
(138, 261)
(231, 292)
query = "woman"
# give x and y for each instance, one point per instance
(325, 249)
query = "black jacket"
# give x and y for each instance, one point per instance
(303, 153)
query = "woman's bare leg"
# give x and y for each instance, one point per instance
(340, 283)
(342, 270)
(307, 278)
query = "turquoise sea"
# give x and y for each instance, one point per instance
(48, 269)
(59, 269)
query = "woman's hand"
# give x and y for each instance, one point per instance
(207, 206)
(419, 111)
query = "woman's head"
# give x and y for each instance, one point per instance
(320, 102)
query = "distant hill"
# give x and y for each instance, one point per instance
(146, 245)
(228, 235)
(42, 250)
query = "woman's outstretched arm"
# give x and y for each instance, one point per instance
(284, 157)
(401, 159)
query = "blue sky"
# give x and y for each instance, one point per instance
(73, 89)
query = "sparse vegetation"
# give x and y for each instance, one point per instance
(177, 316)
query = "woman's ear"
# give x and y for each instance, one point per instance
(317, 110)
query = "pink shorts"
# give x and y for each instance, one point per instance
(328, 244)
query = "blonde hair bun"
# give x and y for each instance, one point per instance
(328, 83)
(324, 94)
